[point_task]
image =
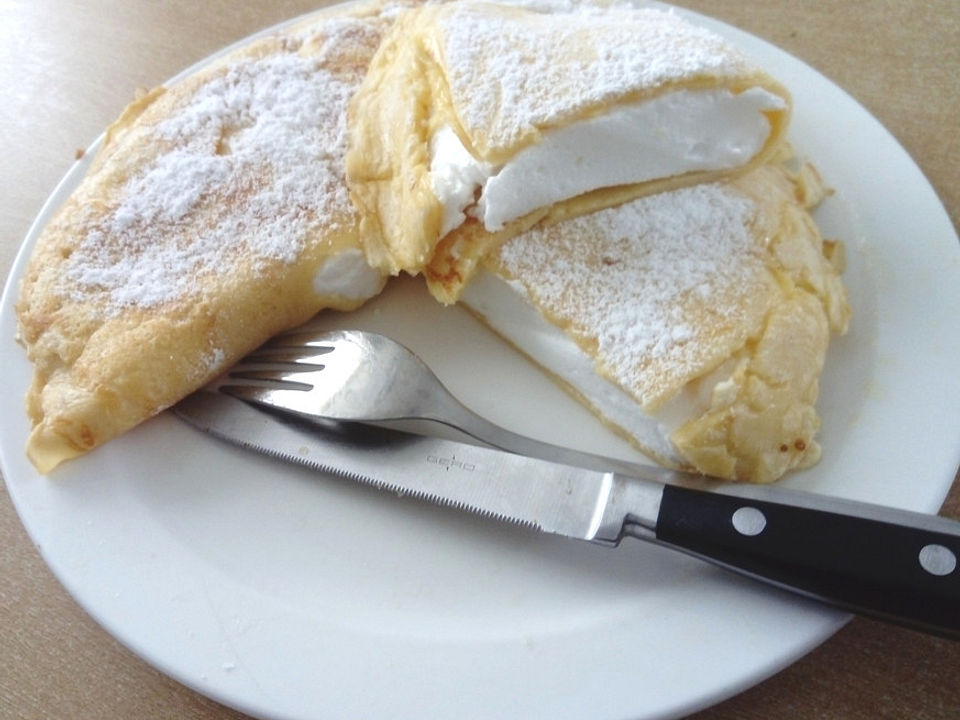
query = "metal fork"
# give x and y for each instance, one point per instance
(363, 377)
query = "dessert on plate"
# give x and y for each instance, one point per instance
(214, 215)
(616, 175)
(695, 322)
(476, 120)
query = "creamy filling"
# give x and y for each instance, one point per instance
(347, 275)
(672, 134)
(506, 308)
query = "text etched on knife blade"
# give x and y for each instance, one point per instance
(451, 462)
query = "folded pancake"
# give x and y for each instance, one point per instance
(214, 215)
(476, 120)
(695, 322)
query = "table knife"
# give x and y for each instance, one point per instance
(889, 564)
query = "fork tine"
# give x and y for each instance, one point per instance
(279, 399)
(276, 378)
(319, 343)
(285, 355)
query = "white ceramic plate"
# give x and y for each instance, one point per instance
(289, 595)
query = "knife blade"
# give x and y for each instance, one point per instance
(889, 564)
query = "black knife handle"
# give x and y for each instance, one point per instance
(907, 574)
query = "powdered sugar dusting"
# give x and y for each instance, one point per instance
(627, 277)
(251, 164)
(507, 78)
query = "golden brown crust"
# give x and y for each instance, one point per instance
(432, 72)
(739, 383)
(110, 351)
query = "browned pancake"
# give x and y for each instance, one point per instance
(501, 80)
(214, 215)
(695, 322)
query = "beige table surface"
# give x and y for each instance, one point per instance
(68, 68)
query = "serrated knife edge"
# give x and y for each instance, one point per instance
(235, 422)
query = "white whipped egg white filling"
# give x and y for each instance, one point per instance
(505, 307)
(672, 134)
(348, 275)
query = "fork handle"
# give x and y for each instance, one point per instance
(450, 412)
